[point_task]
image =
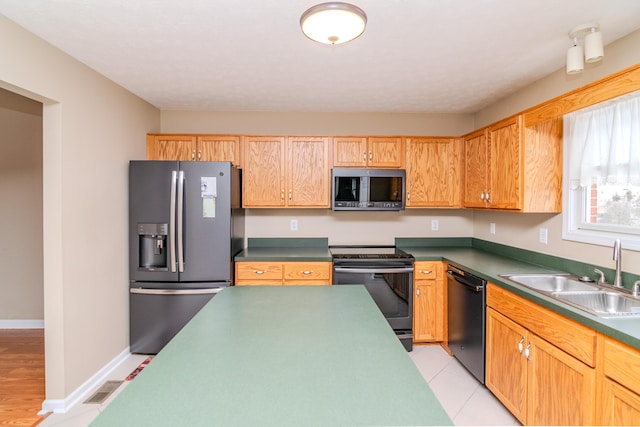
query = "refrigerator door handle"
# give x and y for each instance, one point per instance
(208, 291)
(172, 222)
(179, 219)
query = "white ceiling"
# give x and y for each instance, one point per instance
(416, 56)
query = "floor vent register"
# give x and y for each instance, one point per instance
(104, 392)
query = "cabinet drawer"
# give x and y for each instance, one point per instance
(426, 269)
(569, 335)
(246, 271)
(307, 271)
(622, 364)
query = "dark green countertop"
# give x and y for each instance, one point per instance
(285, 249)
(280, 356)
(490, 266)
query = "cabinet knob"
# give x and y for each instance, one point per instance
(290, 195)
(408, 195)
(370, 155)
(418, 292)
(199, 155)
(521, 345)
(527, 352)
(364, 156)
(482, 196)
(193, 155)
(282, 195)
(488, 199)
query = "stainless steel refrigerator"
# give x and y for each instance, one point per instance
(186, 223)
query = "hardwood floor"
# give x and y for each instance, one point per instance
(21, 376)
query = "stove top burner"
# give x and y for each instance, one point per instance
(368, 252)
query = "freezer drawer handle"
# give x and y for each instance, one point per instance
(142, 291)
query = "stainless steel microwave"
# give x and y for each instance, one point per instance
(368, 189)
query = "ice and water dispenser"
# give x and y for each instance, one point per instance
(152, 247)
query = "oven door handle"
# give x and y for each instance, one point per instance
(373, 270)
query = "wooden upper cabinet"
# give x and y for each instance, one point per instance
(206, 148)
(171, 147)
(219, 148)
(476, 169)
(308, 175)
(433, 172)
(378, 152)
(385, 152)
(263, 174)
(286, 172)
(508, 167)
(505, 170)
(349, 152)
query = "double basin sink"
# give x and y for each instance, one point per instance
(599, 300)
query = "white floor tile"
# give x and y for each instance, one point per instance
(430, 360)
(483, 409)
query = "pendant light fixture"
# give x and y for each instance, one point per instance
(333, 22)
(592, 51)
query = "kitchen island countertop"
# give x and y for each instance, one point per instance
(280, 356)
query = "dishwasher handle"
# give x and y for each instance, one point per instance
(470, 284)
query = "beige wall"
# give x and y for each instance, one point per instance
(522, 230)
(365, 228)
(21, 283)
(250, 122)
(91, 128)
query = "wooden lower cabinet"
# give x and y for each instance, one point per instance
(540, 383)
(620, 385)
(428, 302)
(276, 273)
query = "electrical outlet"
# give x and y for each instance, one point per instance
(544, 234)
(492, 228)
(435, 225)
(294, 225)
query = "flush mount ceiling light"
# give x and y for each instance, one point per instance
(593, 50)
(333, 22)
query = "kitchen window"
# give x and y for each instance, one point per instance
(602, 173)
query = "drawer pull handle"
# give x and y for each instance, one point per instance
(307, 272)
(521, 345)
(426, 271)
(259, 271)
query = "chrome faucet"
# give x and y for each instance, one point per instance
(636, 288)
(617, 257)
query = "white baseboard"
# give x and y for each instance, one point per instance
(21, 324)
(61, 406)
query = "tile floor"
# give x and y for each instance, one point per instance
(465, 400)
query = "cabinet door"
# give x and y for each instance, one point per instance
(171, 147)
(561, 389)
(350, 152)
(475, 169)
(428, 302)
(219, 148)
(620, 406)
(385, 152)
(506, 367)
(308, 177)
(264, 172)
(433, 172)
(505, 168)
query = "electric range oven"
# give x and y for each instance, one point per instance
(387, 273)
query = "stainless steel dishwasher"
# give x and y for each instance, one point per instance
(466, 312)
